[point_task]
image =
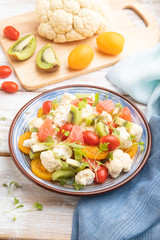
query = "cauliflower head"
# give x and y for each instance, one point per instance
(71, 20)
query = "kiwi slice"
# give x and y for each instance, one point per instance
(23, 48)
(66, 174)
(74, 115)
(34, 155)
(92, 119)
(101, 129)
(47, 59)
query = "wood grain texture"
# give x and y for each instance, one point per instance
(54, 222)
(136, 39)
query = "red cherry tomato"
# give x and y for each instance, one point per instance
(5, 71)
(101, 174)
(112, 140)
(110, 125)
(47, 106)
(9, 86)
(66, 127)
(11, 33)
(90, 138)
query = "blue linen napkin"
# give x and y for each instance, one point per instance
(133, 210)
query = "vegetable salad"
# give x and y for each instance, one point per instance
(82, 139)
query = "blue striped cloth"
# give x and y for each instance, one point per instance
(132, 211)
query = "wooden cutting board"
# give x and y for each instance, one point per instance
(136, 39)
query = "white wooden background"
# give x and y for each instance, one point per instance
(55, 221)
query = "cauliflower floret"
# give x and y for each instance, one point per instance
(32, 141)
(35, 123)
(136, 130)
(124, 137)
(65, 21)
(49, 161)
(61, 115)
(114, 167)
(121, 162)
(62, 151)
(124, 158)
(67, 98)
(84, 127)
(106, 117)
(85, 112)
(85, 177)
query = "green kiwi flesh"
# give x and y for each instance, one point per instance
(23, 48)
(47, 59)
(101, 129)
(74, 115)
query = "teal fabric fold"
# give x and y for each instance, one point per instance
(131, 212)
(139, 76)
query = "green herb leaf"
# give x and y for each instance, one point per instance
(19, 206)
(66, 133)
(78, 186)
(83, 165)
(110, 155)
(38, 206)
(84, 99)
(49, 138)
(81, 105)
(118, 105)
(63, 130)
(115, 130)
(14, 218)
(34, 130)
(5, 185)
(103, 147)
(16, 184)
(127, 125)
(3, 119)
(100, 163)
(132, 137)
(106, 96)
(62, 181)
(57, 129)
(96, 99)
(16, 201)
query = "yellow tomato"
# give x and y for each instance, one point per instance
(40, 112)
(110, 42)
(22, 138)
(38, 169)
(80, 57)
(132, 150)
(92, 152)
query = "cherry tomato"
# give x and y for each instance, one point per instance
(101, 174)
(47, 106)
(110, 125)
(65, 128)
(11, 33)
(9, 86)
(112, 140)
(5, 71)
(90, 138)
